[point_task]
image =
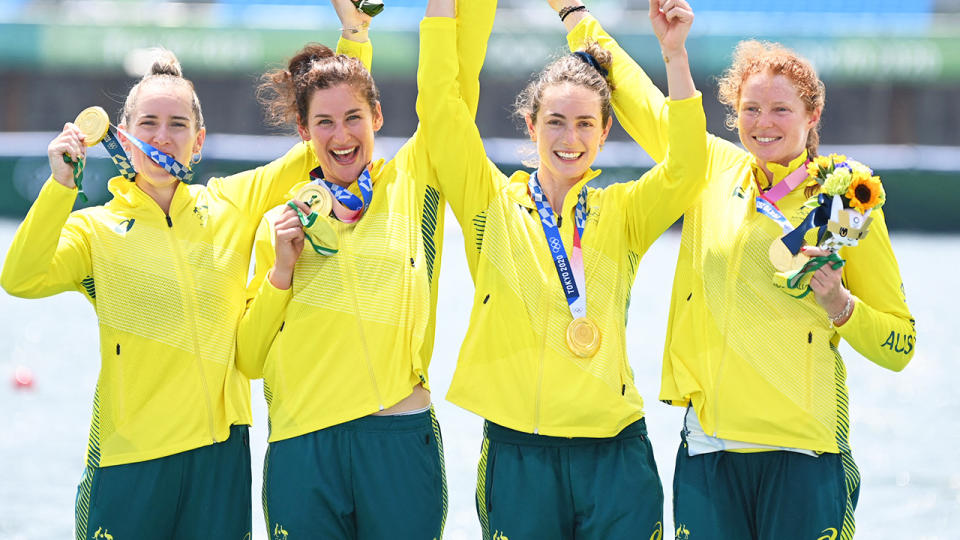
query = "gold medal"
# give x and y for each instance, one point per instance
(320, 232)
(783, 260)
(317, 198)
(94, 123)
(583, 337)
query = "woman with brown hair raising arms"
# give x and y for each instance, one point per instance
(565, 453)
(342, 309)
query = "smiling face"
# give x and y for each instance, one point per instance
(569, 130)
(340, 125)
(163, 117)
(772, 120)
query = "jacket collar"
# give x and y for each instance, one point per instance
(518, 191)
(779, 171)
(128, 194)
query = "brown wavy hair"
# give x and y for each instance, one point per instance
(285, 93)
(568, 69)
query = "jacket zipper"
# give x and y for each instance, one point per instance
(345, 252)
(188, 282)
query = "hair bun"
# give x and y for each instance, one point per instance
(311, 52)
(603, 57)
(165, 63)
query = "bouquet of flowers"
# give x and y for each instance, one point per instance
(849, 192)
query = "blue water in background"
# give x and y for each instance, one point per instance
(905, 426)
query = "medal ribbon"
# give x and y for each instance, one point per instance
(307, 221)
(788, 184)
(347, 207)
(770, 210)
(818, 217)
(77, 175)
(767, 202)
(118, 156)
(570, 271)
(122, 161)
(167, 162)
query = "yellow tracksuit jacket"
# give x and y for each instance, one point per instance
(355, 332)
(756, 364)
(168, 291)
(514, 367)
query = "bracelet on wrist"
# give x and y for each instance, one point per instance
(362, 27)
(844, 313)
(570, 9)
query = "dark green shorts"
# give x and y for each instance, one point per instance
(777, 495)
(532, 487)
(373, 478)
(200, 493)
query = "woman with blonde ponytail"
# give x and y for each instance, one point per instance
(565, 452)
(164, 264)
(765, 447)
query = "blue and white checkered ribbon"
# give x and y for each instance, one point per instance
(119, 156)
(346, 206)
(570, 270)
(167, 162)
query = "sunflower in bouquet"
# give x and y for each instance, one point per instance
(849, 191)
(840, 212)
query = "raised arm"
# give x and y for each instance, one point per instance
(474, 24)
(354, 32)
(49, 253)
(263, 188)
(665, 192)
(467, 178)
(639, 105)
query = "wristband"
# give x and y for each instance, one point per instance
(570, 9)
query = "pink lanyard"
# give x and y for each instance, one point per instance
(786, 185)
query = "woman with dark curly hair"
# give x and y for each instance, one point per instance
(342, 311)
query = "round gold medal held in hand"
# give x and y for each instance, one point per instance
(94, 123)
(583, 337)
(317, 198)
(783, 260)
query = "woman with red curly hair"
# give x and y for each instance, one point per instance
(765, 447)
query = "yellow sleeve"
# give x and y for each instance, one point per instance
(639, 105)
(50, 252)
(256, 191)
(474, 24)
(881, 327)
(266, 307)
(468, 180)
(659, 198)
(361, 50)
